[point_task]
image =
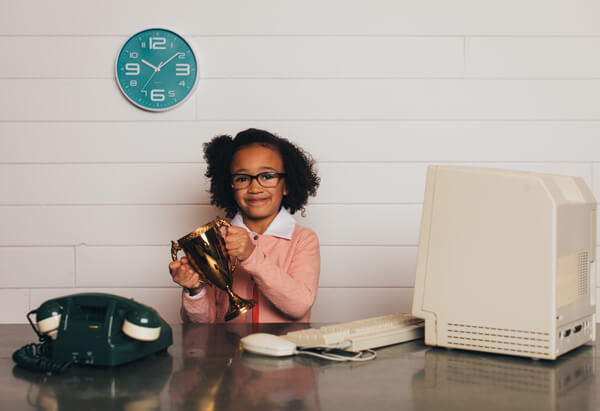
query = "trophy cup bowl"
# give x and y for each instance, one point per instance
(206, 252)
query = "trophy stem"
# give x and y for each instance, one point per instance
(237, 305)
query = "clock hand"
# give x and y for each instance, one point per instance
(151, 65)
(161, 65)
(153, 73)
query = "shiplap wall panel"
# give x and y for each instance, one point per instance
(405, 183)
(137, 184)
(104, 184)
(146, 266)
(532, 57)
(344, 224)
(331, 57)
(75, 100)
(327, 141)
(262, 57)
(390, 266)
(433, 99)
(15, 305)
(124, 266)
(373, 266)
(596, 185)
(99, 225)
(59, 57)
(429, 17)
(347, 304)
(23, 267)
(240, 99)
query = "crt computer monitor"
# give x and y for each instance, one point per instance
(506, 262)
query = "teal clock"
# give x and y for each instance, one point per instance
(156, 69)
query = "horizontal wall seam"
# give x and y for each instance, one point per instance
(311, 120)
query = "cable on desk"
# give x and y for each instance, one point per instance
(36, 357)
(365, 355)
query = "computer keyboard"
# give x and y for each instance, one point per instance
(360, 335)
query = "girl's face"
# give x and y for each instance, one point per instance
(259, 205)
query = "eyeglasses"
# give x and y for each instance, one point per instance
(267, 179)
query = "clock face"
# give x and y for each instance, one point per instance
(156, 69)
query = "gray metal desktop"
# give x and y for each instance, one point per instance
(205, 369)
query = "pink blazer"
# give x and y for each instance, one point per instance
(285, 272)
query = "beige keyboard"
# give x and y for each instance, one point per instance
(362, 334)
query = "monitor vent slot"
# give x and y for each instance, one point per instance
(583, 273)
(492, 339)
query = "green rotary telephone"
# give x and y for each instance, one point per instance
(92, 329)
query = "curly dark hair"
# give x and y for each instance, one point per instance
(301, 175)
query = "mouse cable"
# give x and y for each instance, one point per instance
(365, 355)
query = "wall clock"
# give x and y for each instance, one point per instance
(156, 69)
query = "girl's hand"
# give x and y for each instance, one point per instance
(184, 275)
(238, 242)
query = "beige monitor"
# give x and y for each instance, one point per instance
(506, 262)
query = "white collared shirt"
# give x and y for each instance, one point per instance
(282, 226)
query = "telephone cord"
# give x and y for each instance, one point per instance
(36, 357)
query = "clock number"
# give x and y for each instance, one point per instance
(133, 55)
(157, 95)
(182, 83)
(181, 56)
(132, 69)
(182, 69)
(158, 43)
(171, 93)
(133, 83)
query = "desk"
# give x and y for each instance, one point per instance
(205, 369)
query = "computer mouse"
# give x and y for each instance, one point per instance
(268, 344)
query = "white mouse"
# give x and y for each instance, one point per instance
(268, 344)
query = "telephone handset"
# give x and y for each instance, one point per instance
(93, 329)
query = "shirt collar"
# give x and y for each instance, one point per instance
(282, 226)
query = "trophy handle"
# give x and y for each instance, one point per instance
(220, 222)
(175, 248)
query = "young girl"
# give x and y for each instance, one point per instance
(260, 180)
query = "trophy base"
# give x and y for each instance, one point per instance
(238, 306)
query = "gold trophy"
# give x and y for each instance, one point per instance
(206, 252)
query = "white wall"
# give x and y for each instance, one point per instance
(94, 189)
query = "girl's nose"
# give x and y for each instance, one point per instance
(254, 186)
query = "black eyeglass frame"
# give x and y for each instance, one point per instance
(257, 178)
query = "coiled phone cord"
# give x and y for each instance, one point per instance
(37, 357)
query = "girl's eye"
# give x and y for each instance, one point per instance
(266, 177)
(240, 179)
